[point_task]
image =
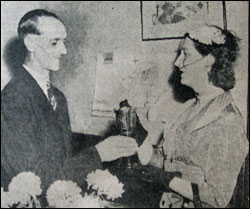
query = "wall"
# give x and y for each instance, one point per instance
(238, 21)
(96, 27)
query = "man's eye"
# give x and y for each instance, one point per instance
(54, 43)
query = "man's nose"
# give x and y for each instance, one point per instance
(63, 49)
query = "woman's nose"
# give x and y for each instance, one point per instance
(179, 61)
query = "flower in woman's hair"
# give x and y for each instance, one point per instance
(88, 201)
(105, 184)
(62, 194)
(208, 35)
(24, 188)
(5, 199)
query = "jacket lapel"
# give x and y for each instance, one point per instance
(39, 99)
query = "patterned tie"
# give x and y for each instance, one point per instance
(51, 96)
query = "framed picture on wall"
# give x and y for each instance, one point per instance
(172, 19)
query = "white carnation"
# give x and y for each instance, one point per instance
(62, 194)
(24, 188)
(5, 199)
(88, 201)
(105, 184)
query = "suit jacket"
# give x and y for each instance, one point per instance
(36, 138)
(208, 148)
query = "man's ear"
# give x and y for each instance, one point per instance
(29, 42)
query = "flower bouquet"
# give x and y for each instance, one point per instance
(105, 184)
(66, 194)
(25, 188)
(22, 192)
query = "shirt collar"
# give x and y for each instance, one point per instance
(41, 78)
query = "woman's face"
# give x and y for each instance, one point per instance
(192, 65)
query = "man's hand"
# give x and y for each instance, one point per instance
(115, 147)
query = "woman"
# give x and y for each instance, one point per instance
(207, 143)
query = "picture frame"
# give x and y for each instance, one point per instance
(162, 20)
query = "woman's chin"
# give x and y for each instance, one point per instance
(188, 83)
(185, 82)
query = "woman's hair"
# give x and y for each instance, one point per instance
(181, 92)
(222, 72)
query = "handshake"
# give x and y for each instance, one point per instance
(115, 147)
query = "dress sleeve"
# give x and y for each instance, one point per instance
(226, 154)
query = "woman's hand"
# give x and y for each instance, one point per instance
(182, 187)
(155, 131)
(145, 152)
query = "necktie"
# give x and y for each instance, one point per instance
(51, 96)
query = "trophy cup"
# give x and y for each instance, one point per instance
(126, 121)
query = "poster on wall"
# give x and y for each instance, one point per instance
(125, 75)
(171, 19)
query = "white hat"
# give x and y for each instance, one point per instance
(208, 35)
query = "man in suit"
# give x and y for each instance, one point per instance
(36, 132)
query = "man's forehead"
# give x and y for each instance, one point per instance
(52, 28)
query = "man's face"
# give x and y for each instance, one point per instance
(48, 47)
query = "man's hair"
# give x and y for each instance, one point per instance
(28, 23)
(222, 73)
